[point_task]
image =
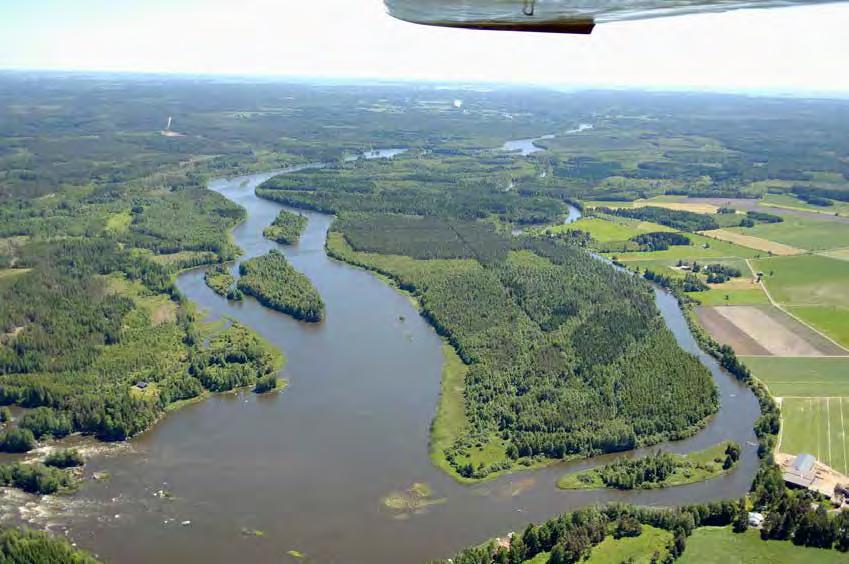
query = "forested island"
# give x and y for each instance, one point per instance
(276, 284)
(286, 228)
(657, 470)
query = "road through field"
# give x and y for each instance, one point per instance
(779, 306)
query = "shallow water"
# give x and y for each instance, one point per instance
(309, 466)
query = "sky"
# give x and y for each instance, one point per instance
(787, 50)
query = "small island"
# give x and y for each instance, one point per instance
(286, 229)
(220, 281)
(277, 285)
(657, 470)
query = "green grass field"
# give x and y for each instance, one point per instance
(719, 545)
(802, 233)
(831, 320)
(814, 288)
(718, 297)
(802, 377)
(806, 280)
(637, 550)
(817, 426)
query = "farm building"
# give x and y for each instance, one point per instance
(801, 472)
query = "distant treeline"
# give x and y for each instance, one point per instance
(809, 193)
(467, 185)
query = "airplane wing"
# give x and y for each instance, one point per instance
(560, 16)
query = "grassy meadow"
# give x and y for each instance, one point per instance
(719, 545)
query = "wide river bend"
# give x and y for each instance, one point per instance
(308, 467)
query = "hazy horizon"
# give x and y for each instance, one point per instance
(788, 51)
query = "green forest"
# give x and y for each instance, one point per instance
(567, 356)
(276, 284)
(25, 546)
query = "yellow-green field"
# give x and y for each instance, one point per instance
(816, 426)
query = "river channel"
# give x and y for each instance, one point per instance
(248, 478)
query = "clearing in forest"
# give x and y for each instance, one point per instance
(753, 242)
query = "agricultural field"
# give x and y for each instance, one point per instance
(817, 426)
(719, 545)
(679, 203)
(789, 201)
(813, 288)
(802, 233)
(752, 242)
(802, 377)
(764, 330)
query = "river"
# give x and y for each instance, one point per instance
(308, 467)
